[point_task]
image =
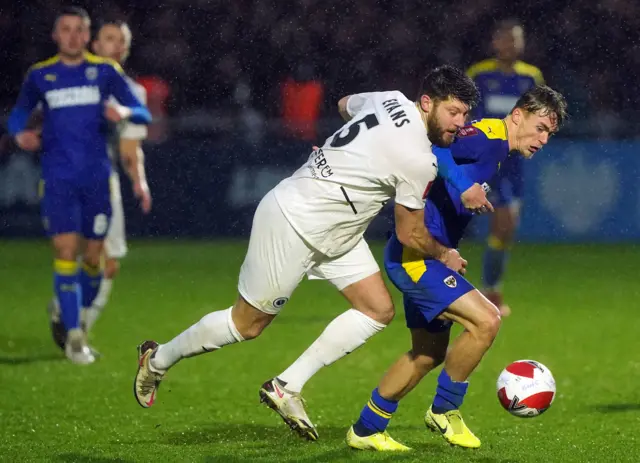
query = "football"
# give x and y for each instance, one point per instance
(526, 388)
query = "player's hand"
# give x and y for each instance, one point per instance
(141, 191)
(115, 112)
(28, 140)
(475, 199)
(454, 261)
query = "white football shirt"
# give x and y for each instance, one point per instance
(383, 153)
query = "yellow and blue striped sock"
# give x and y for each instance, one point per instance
(67, 290)
(375, 415)
(449, 393)
(90, 278)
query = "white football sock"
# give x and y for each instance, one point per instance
(90, 315)
(342, 336)
(213, 331)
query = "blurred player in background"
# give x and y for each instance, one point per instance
(73, 89)
(312, 223)
(501, 80)
(113, 40)
(435, 296)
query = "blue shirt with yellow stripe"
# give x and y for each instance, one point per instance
(428, 286)
(499, 91)
(72, 97)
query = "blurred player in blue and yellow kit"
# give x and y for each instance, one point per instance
(501, 80)
(73, 89)
(436, 296)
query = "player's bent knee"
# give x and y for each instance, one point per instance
(371, 297)
(249, 321)
(384, 314)
(65, 246)
(489, 324)
(381, 310)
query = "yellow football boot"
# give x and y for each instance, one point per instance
(380, 441)
(452, 427)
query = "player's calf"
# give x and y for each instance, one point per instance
(481, 320)
(91, 314)
(428, 351)
(66, 285)
(91, 273)
(212, 332)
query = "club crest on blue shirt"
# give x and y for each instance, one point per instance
(91, 73)
(450, 281)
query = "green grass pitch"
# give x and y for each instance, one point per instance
(575, 310)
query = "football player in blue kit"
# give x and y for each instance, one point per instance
(501, 80)
(73, 90)
(435, 297)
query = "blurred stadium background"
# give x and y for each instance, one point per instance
(240, 91)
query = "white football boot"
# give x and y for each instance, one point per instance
(290, 406)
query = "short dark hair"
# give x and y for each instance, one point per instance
(74, 11)
(450, 82)
(546, 101)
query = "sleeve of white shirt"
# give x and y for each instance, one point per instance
(411, 189)
(356, 102)
(135, 131)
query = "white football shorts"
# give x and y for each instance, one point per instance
(278, 258)
(115, 243)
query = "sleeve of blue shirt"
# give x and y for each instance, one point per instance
(122, 92)
(450, 171)
(27, 100)
(469, 171)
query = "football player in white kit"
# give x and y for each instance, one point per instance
(312, 223)
(113, 40)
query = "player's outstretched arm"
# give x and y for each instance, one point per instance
(412, 232)
(473, 196)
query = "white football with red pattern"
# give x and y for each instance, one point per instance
(526, 388)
